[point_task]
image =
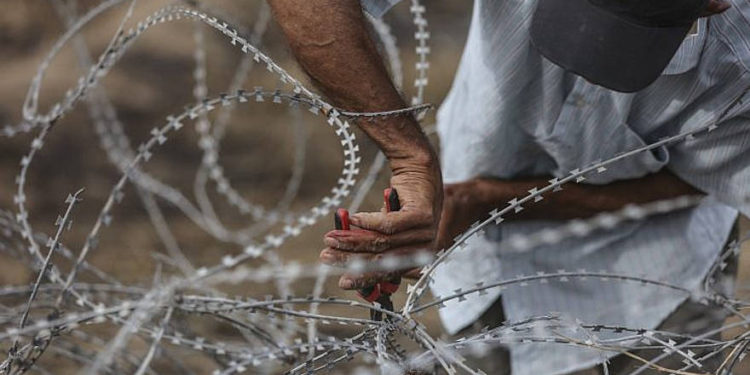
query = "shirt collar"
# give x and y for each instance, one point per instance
(689, 53)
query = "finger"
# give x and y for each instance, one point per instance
(340, 258)
(375, 242)
(392, 222)
(349, 281)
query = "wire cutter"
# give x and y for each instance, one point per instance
(382, 291)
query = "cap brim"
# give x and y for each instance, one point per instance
(603, 48)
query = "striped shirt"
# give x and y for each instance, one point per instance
(512, 113)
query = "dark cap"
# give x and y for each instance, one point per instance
(623, 45)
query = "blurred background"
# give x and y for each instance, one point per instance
(155, 78)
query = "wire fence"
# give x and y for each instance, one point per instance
(282, 332)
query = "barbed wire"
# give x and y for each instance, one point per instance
(284, 331)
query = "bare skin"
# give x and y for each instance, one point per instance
(716, 7)
(467, 202)
(331, 42)
(470, 201)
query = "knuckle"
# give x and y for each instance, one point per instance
(380, 243)
(345, 245)
(388, 226)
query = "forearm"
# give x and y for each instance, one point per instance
(583, 200)
(330, 40)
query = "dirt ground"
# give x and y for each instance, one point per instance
(153, 80)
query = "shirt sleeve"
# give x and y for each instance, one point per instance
(718, 161)
(377, 8)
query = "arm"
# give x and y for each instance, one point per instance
(581, 200)
(330, 40)
(470, 201)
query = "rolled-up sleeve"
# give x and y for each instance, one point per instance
(377, 8)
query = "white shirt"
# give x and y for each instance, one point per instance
(512, 113)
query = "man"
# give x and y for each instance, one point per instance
(514, 118)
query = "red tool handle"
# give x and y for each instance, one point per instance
(390, 196)
(341, 221)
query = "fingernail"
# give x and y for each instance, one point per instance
(331, 242)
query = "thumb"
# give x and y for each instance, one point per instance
(390, 222)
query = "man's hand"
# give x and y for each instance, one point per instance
(332, 44)
(401, 233)
(464, 204)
